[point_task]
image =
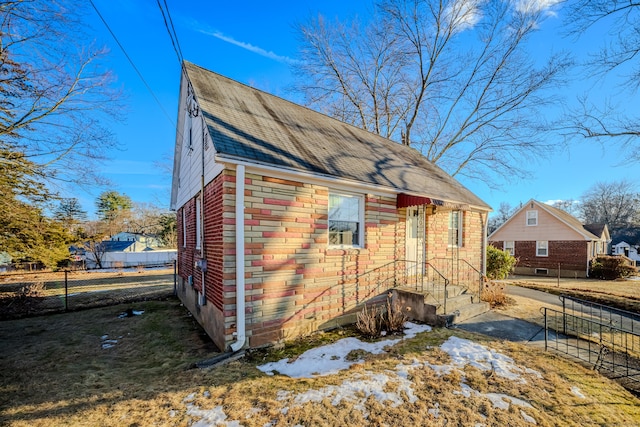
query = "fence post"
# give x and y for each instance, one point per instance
(546, 328)
(66, 290)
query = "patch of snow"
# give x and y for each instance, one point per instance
(210, 417)
(331, 358)
(463, 352)
(356, 391)
(107, 343)
(435, 411)
(577, 392)
(131, 313)
(528, 418)
(440, 370)
(499, 400)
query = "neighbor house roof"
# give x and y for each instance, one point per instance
(630, 235)
(114, 245)
(246, 124)
(588, 231)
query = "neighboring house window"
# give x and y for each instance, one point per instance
(455, 228)
(509, 247)
(532, 218)
(346, 218)
(184, 228)
(542, 248)
(198, 223)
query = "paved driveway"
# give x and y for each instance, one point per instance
(509, 328)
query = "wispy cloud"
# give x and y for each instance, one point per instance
(536, 6)
(247, 46)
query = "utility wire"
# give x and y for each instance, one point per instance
(172, 31)
(133, 64)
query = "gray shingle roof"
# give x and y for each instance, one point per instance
(247, 123)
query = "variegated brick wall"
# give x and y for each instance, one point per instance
(294, 282)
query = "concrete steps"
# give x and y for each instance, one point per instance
(428, 307)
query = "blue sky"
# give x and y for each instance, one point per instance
(254, 42)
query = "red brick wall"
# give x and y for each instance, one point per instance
(570, 254)
(294, 283)
(187, 253)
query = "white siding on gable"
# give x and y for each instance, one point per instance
(549, 228)
(197, 152)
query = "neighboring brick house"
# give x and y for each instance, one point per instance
(288, 219)
(545, 239)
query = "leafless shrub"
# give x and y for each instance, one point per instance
(494, 294)
(393, 319)
(31, 290)
(368, 323)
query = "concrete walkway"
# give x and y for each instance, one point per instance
(509, 328)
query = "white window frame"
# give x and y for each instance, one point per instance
(459, 242)
(198, 223)
(184, 228)
(542, 245)
(509, 246)
(532, 215)
(361, 224)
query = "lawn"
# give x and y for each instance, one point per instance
(623, 294)
(94, 367)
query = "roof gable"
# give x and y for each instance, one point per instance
(568, 221)
(246, 124)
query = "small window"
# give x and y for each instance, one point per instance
(455, 228)
(345, 220)
(509, 247)
(542, 248)
(532, 218)
(198, 223)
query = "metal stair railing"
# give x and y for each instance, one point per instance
(461, 273)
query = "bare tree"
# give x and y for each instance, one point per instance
(97, 249)
(616, 204)
(54, 94)
(570, 206)
(618, 54)
(501, 216)
(450, 78)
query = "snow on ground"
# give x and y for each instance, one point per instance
(577, 392)
(392, 387)
(331, 359)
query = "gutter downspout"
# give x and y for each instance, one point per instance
(240, 305)
(485, 230)
(485, 237)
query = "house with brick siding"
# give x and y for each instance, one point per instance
(289, 221)
(545, 240)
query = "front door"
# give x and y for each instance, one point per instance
(414, 241)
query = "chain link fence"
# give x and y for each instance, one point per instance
(35, 293)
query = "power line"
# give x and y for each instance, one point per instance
(172, 31)
(132, 63)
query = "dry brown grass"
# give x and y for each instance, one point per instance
(54, 372)
(623, 294)
(84, 290)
